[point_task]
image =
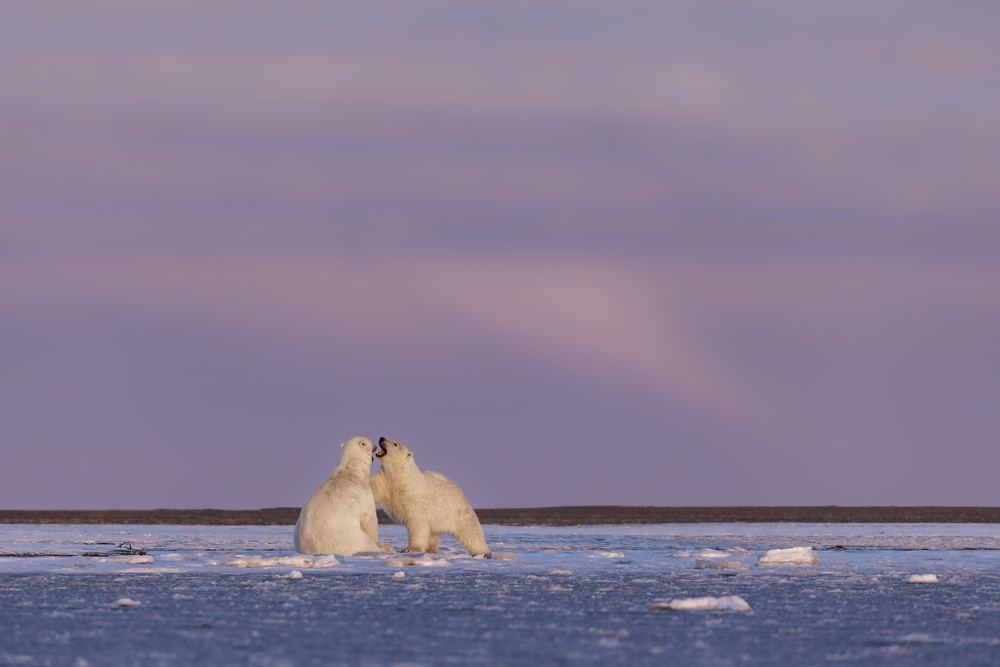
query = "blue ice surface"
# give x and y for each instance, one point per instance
(221, 595)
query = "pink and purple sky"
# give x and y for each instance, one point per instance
(570, 253)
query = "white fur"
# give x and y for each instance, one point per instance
(427, 503)
(340, 517)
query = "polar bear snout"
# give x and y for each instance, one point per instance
(398, 449)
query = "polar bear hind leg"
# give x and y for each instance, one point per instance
(470, 534)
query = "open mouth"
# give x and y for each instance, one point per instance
(382, 451)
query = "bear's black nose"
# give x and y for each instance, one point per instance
(381, 440)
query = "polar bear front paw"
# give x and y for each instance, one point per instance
(387, 548)
(414, 550)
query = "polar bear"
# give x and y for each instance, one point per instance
(427, 503)
(340, 517)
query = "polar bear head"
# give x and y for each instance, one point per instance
(356, 452)
(394, 455)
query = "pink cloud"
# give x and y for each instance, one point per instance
(580, 315)
(658, 325)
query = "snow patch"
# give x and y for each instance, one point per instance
(420, 561)
(804, 556)
(152, 570)
(127, 602)
(127, 560)
(325, 561)
(712, 553)
(294, 561)
(716, 564)
(725, 603)
(399, 575)
(294, 575)
(607, 554)
(504, 555)
(922, 579)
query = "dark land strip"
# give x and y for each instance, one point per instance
(536, 516)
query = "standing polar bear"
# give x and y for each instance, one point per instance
(340, 517)
(427, 503)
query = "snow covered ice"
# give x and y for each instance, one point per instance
(707, 603)
(127, 602)
(425, 560)
(802, 556)
(640, 594)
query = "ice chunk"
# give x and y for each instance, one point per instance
(504, 555)
(260, 561)
(922, 579)
(792, 556)
(919, 638)
(245, 561)
(325, 561)
(127, 602)
(294, 575)
(716, 564)
(127, 560)
(399, 575)
(152, 570)
(420, 561)
(725, 603)
(561, 573)
(711, 553)
(607, 554)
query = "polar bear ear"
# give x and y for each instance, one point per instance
(342, 445)
(409, 454)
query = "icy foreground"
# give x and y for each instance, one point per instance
(588, 595)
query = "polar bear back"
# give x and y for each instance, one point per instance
(450, 508)
(404, 496)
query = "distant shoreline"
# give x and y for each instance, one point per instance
(536, 516)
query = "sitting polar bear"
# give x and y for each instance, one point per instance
(427, 503)
(340, 517)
